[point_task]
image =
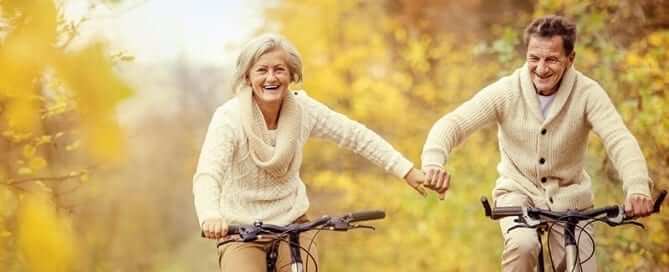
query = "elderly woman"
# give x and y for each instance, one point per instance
(249, 164)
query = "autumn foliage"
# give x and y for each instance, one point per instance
(77, 194)
(57, 121)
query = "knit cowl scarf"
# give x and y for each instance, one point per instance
(275, 160)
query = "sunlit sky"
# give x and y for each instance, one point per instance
(206, 31)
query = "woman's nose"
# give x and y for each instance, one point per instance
(271, 76)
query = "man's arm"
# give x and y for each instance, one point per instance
(623, 150)
(453, 128)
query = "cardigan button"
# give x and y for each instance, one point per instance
(550, 199)
(543, 131)
(543, 180)
(542, 161)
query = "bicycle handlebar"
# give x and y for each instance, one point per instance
(536, 213)
(339, 223)
(365, 216)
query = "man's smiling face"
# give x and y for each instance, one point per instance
(547, 61)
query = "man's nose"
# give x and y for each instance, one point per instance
(542, 67)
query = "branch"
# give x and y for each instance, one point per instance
(74, 32)
(57, 178)
(14, 187)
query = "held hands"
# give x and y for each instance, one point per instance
(437, 181)
(637, 205)
(214, 228)
(415, 179)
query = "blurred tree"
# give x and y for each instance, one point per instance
(57, 107)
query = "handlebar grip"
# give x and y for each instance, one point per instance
(486, 206)
(501, 212)
(658, 201)
(232, 229)
(366, 215)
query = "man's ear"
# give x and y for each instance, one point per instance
(572, 56)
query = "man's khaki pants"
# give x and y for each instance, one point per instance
(251, 257)
(521, 245)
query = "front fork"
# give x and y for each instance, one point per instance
(296, 264)
(296, 259)
(571, 250)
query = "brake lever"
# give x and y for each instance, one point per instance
(523, 225)
(337, 224)
(248, 236)
(627, 222)
(634, 223)
(358, 226)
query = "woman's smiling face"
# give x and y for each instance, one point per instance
(269, 77)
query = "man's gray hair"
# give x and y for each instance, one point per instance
(549, 26)
(259, 46)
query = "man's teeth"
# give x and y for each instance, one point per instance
(271, 87)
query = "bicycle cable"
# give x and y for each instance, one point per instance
(581, 229)
(309, 255)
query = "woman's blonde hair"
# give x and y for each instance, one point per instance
(259, 46)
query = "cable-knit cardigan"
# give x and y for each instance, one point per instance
(227, 183)
(544, 157)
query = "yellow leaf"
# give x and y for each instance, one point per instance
(44, 239)
(84, 177)
(73, 145)
(24, 171)
(37, 163)
(29, 151)
(655, 39)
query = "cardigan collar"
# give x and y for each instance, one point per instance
(530, 94)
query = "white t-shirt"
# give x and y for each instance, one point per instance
(545, 102)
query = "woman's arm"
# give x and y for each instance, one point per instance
(355, 137)
(215, 159)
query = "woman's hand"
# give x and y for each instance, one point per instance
(415, 179)
(438, 180)
(214, 228)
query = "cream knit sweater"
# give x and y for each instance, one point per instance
(544, 157)
(228, 184)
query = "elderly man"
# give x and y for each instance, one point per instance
(544, 112)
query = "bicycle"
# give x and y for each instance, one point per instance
(291, 233)
(543, 220)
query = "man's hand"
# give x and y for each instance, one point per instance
(214, 228)
(437, 179)
(637, 205)
(415, 179)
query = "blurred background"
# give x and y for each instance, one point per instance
(104, 105)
